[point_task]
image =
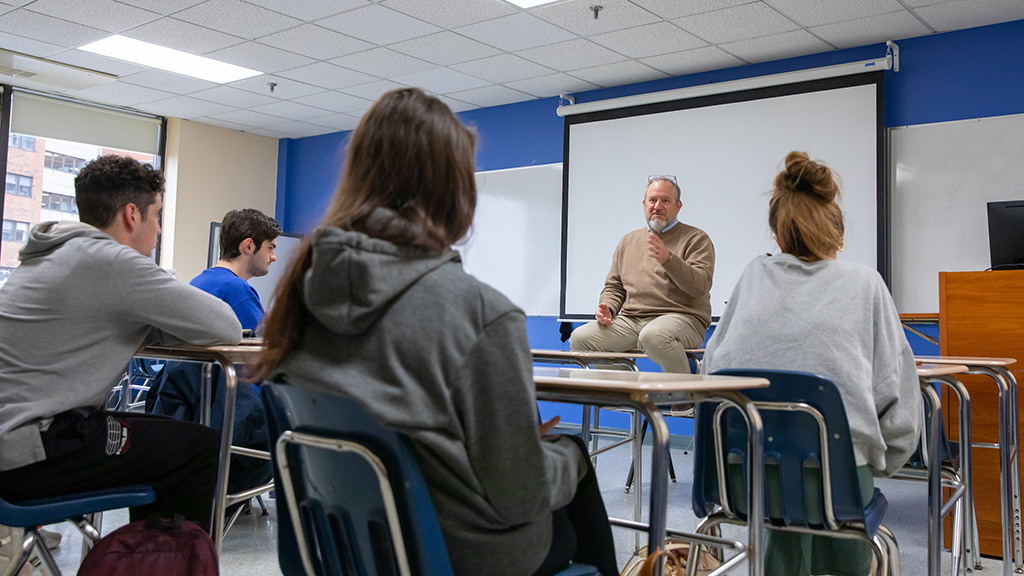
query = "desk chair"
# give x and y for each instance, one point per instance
(805, 428)
(76, 508)
(351, 498)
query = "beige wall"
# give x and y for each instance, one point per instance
(211, 170)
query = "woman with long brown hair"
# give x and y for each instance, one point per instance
(805, 310)
(377, 307)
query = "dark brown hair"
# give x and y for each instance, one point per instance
(803, 212)
(237, 225)
(109, 183)
(408, 179)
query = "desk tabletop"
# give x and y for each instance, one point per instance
(643, 382)
(966, 360)
(929, 370)
(240, 354)
(587, 355)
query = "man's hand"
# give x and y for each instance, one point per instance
(603, 315)
(656, 248)
(549, 425)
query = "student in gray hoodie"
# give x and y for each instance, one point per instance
(85, 298)
(377, 307)
(805, 310)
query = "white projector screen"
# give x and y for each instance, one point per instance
(725, 150)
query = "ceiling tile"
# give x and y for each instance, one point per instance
(503, 68)
(335, 102)
(84, 59)
(298, 129)
(235, 97)
(168, 81)
(103, 14)
(737, 23)
(182, 36)
(445, 48)
(456, 105)
(184, 107)
(578, 17)
(316, 42)
(56, 31)
(383, 62)
(259, 57)
(371, 91)
(552, 85)
(165, 6)
(268, 133)
(918, 3)
(441, 80)
(121, 94)
(969, 13)
(308, 10)
(452, 13)
(237, 18)
(865, 31)
(28, 45)
(571, 55)
(676, 8)
(777, 47)
(223, 124)
(248, 118)
(693, 61)
(649, 40)
(493, 95)
(291, 110)
(378, 25)
(338, 122)
(822, 12)
(327, 75)
(515, 32)
(284, 88)
(619, 73)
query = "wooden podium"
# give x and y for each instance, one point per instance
(982, 314)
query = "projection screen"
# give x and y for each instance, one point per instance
(725, 150)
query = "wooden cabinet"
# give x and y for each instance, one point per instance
(982, 314)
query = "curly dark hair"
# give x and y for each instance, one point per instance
(238, 225)
(109, 183)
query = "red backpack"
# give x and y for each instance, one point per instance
(155, 547)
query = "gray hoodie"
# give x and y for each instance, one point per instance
(442, 357)
(73, 314)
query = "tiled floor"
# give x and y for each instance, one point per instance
(251, 546)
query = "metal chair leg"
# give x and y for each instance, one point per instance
(671, 465)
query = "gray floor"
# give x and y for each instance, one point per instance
(251, 545)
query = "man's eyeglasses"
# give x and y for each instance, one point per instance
(655, 177)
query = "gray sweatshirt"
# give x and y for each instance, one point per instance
(72, 315)
(836, 319)
(443, 358)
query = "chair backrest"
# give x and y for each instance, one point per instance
(342, 475)
(794, 451)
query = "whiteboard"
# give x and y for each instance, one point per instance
(944, 175)
(514, 244)
(725, 157)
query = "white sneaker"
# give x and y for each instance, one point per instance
(5, 561)
(50, 538)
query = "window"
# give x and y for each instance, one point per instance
(19, 185)
(22, 142)
(15, 231)
(61, 202)
(64, 163)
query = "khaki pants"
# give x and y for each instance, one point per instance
(663, 338)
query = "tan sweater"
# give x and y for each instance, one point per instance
(638, 286)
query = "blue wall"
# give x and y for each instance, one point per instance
(965, 74)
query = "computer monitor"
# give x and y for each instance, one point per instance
(1006, 234)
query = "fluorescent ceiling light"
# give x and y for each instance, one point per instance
(530, 3)
(139, 52)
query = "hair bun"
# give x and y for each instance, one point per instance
(809, 177)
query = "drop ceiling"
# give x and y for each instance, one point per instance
(324, 61)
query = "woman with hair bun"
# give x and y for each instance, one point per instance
(376, 307)
(805, 310)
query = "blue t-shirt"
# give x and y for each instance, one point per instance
(242, 297)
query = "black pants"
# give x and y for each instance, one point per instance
(112, 449)
(581, 532)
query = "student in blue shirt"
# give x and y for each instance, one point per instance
(248, 239)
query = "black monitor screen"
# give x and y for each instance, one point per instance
(1006, 234)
